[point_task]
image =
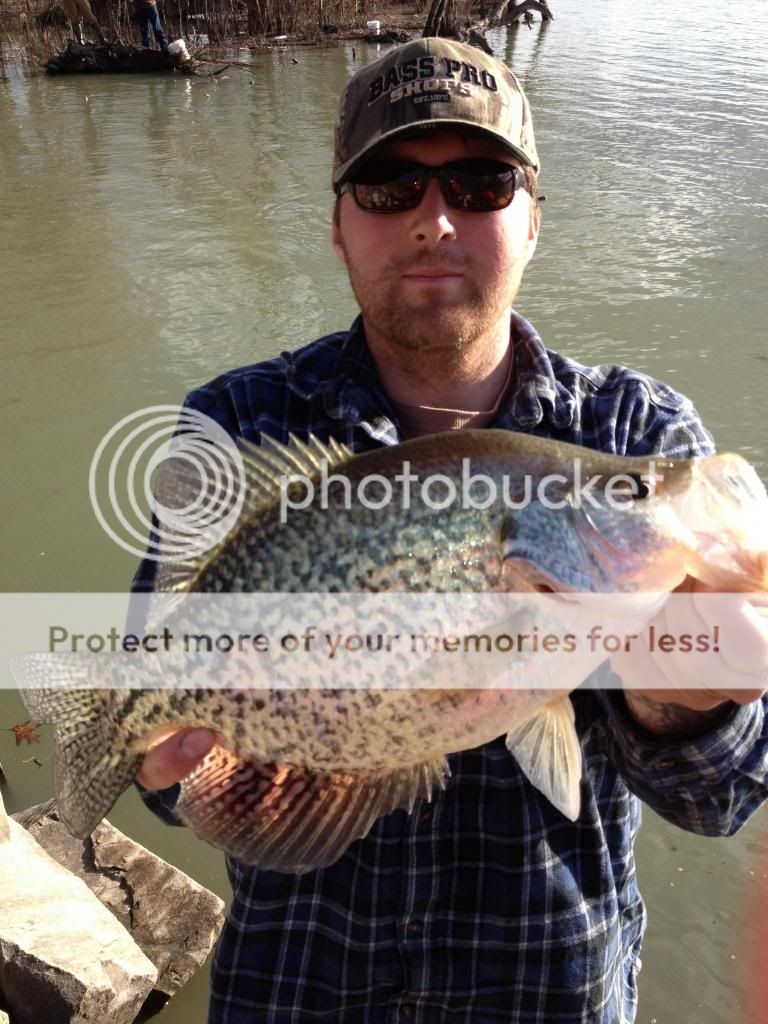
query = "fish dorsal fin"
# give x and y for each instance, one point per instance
(224, 493)
(271, 461)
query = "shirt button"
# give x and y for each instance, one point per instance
(414, 928)
(665, 765)
(425, 817)
(406, 1012)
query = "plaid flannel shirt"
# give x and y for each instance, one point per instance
(485, 905)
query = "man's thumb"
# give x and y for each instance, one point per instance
(196, 744)
(174, 757)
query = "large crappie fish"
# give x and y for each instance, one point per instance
(297, 775)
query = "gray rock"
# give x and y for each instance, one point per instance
(174, 919)
(64, 959)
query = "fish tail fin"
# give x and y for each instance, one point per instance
(92, 765)
(289, 819)
(546, 747)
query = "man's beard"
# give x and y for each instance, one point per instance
(443, 329)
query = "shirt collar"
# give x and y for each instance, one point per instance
(537, 395)
(354, 392)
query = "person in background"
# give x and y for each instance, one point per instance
(79, 12)
(149, 16)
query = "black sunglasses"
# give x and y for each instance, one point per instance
(477, 186)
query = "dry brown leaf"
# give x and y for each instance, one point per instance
(26, 731)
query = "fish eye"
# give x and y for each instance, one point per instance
(629, 487)
(642, 490)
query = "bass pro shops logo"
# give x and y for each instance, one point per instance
(429, 77)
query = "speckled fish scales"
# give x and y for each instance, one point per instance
(297, 775)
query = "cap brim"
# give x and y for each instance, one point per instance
(347, 169)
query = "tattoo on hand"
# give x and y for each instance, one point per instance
(673, 721)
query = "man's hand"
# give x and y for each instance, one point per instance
(173, 757)
(701, 685)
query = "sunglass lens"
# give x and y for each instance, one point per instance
(389, 186)
(480, 185)
(392, 186)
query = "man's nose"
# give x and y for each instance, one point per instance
(433, 220)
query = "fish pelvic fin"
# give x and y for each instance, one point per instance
(546, 747)
(293, 820)
(92, 766)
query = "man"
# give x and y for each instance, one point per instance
(79, 12)
(149, 16)
(486, 905)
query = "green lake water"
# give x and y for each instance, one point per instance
(158, 231)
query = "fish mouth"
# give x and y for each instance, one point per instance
(730, 566)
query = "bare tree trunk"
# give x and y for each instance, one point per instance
(255, 18)
(501, 11)
(434, 18)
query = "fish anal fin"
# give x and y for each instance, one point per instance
(294, 820)
(546, 747)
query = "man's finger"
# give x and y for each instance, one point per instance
(174, 757)
(743, 629)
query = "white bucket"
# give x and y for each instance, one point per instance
(374, 27)
(178, 48)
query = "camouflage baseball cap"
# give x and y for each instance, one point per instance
(429, 84)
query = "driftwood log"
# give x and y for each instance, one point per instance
(387, 37)
(105, 57)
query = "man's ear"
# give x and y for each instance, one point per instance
(336, 242)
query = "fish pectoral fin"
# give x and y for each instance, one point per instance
(92, 768)
(547, 749)
(294, 820)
